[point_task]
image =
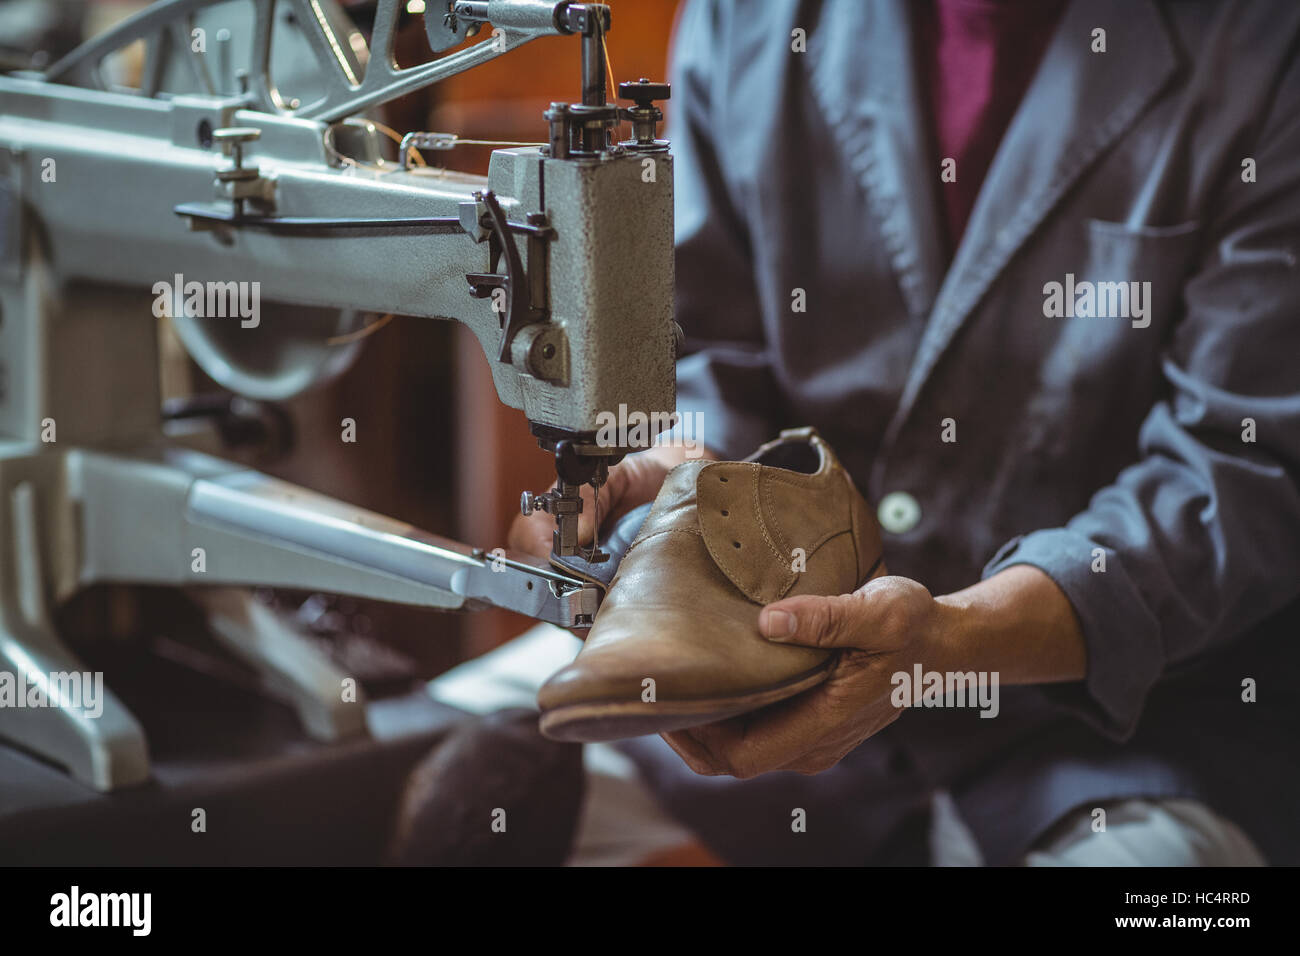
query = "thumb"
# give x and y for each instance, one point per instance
(815, 621)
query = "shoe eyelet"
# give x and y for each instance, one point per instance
(725, 513)
(721, 479)
(736, 545)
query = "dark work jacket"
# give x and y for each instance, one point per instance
(1165, 449)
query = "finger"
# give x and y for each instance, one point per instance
(638, 478)
(693, 754)
(768, 739)
(615, 490)
(824, 757)
(531, 534)
(819, 760)
(785, 735)
(587, 518)
(840, 620)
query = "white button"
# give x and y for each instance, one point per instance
(898, 512)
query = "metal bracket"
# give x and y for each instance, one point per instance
(347, 85)
(531, 307)
(11, 212)
(525, 289)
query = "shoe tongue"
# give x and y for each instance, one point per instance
(735, 531)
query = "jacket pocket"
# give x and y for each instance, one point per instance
(1100, 374)
(1137, 272)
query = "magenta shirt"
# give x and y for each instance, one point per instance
(976, 59)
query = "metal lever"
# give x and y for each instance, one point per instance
(237, 182)
(521, 309)
(565, 504)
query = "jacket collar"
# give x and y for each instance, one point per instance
(1077, 105)
(870, 99)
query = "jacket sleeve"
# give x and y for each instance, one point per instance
(725, 375)
(1201, 536)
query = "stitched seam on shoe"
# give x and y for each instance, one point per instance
(754, 494)
(795, 480)
(654, 534)
(810, 551)
(758, 513)
(856, 529)
(786, 580)
(771, 509)
(824, 538)
(782, 587)
(808, 554)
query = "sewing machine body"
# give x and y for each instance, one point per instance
(559, 261)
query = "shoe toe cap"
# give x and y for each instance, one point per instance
(652, 654)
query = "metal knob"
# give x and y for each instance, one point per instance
(235, 137)
(644, 115)
(236, 181)
(644, 93)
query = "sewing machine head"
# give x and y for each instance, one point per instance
(625, 290)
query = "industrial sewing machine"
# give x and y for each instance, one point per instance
(241, 193)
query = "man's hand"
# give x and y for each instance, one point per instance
(633, 481)
(1017, 623)
(878, 629)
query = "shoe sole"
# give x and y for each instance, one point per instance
(599, 721)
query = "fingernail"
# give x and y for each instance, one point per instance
(776, 624)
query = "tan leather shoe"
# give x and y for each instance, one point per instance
(676, 641)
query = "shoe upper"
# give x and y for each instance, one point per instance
(722, 540)
(764, 518)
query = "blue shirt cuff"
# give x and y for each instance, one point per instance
(1122, 636)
